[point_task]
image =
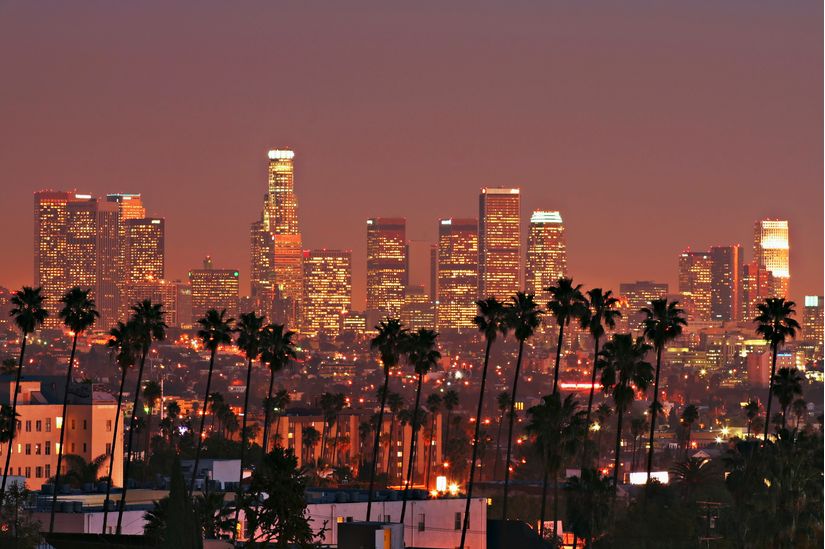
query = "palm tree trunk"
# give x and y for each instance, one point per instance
(132, 422)
(498, 448)
(590, 403)
(243, 446)
(62, 432)
(770, 394)
(376, 442)
(430, 451)
(618, 456)
(112, 452)
(334, 458)
(558, 356)
(543, 512)
(466, 523)
(510, 431)
(556, 520)
(654, 411)
(203, 420)
(389, 447)
(13, 416)
(413, 444)
(277, 428)
(266, 410)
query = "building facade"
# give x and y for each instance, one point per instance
(327, 290)
(214, 289)
(726, 282)
(457, 273)
(695, 284)
(546, 253)
(386, 264)
(771, 251)
(499, 242)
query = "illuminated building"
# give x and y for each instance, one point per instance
(771, 251)
(695, 284)
(145, 249)
(386, 265)
(499, 242)
(157, 291)
(418, 310)
(90, 418)
(354, 322)
(812, 321)
(725, 282)
(637, 295)
(128, 206)
(758, 284)
(184, 304)
(214, 289)
(108, 258)
(277, 272)
(546, 253)
(457, 273)
(327, 290)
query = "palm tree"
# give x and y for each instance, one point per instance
(603, 413)
(624, 371)
(126, 348)
(662, 324)
(82, 472)
(279, 403)
(557, 426)
(689, 416)
(215, 330)
(787, 385)
(423, 356)
(78, 315)
(523, 317)
(450, 403)
(309, 438)
(433, 405)
(248, 327)
(490, 320)
(147, 325)
(337, 406)
(800, 410)
(28, 313)
(638, 426)
(396, 403)
(775, 324)
(327, 403)
(388, 343)
(277, 349)
(566, 303)
(588, 505)
(151, 396)
(751, 412)
(601, 312)
(502, 403)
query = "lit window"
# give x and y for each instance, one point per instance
(58, 423)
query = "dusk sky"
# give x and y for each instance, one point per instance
(652, 126)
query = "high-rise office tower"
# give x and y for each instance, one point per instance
(327, 290)
(457, 273)
(157, 291)
(107, 294)
(771, 248)
(418, 310)
(639, 294)
(81, 243)
(277, 238)
(499, 242)
(214, 289)
(129, 206)
(695, 284)
(546, 253)
(725, 282)
(812, 321)
(386, 265)
(758, 284)
(145, 249)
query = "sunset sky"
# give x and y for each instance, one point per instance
(653, 126)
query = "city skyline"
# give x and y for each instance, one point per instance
(198, 160)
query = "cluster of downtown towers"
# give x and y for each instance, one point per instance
(111, 246)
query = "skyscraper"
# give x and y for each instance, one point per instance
(327, 290)
(726, 282)
(813, 322)
(386, 265)
(695, 284)
(129, 206)
(499, 242)
(214, 289)
(276, 238)
(145, 249)
(757, 285)
(107, 294)
(771, 249)
(418, 310)
(457, 273)
(639, 294)
(546, 253)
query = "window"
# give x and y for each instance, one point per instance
(48, 448)
(19, 426)
(108, 448)
(457, 524)
(28, 472)
(28, 449)
(48, 425)
(84, 424)
(421, 522)
(73, 450)
(84, 447)
(38, 472)
(28, 426)
(38, 425)
(37, 450)
(48, 471)
(108, 425)
(74, 425)
(387, 518)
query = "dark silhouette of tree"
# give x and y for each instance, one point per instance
(502, 403)
(689, 416)
(588, 504)
(279, 403)
(80, 472)
(566, 303)
(277, 349)
(147, 325)
(451, 401)
(151, 397)
(215, 330)
(800, 410)
(422, 354)
(624, 371)
(173, 524)
(491, 321)
(775, 323)
(787, 385)
(396, 404)
(523, 317)
(28, 313)
(78, 315)
(388, 342)
(309, 438)
(751, 413)
(662, 324)
(433, 404)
